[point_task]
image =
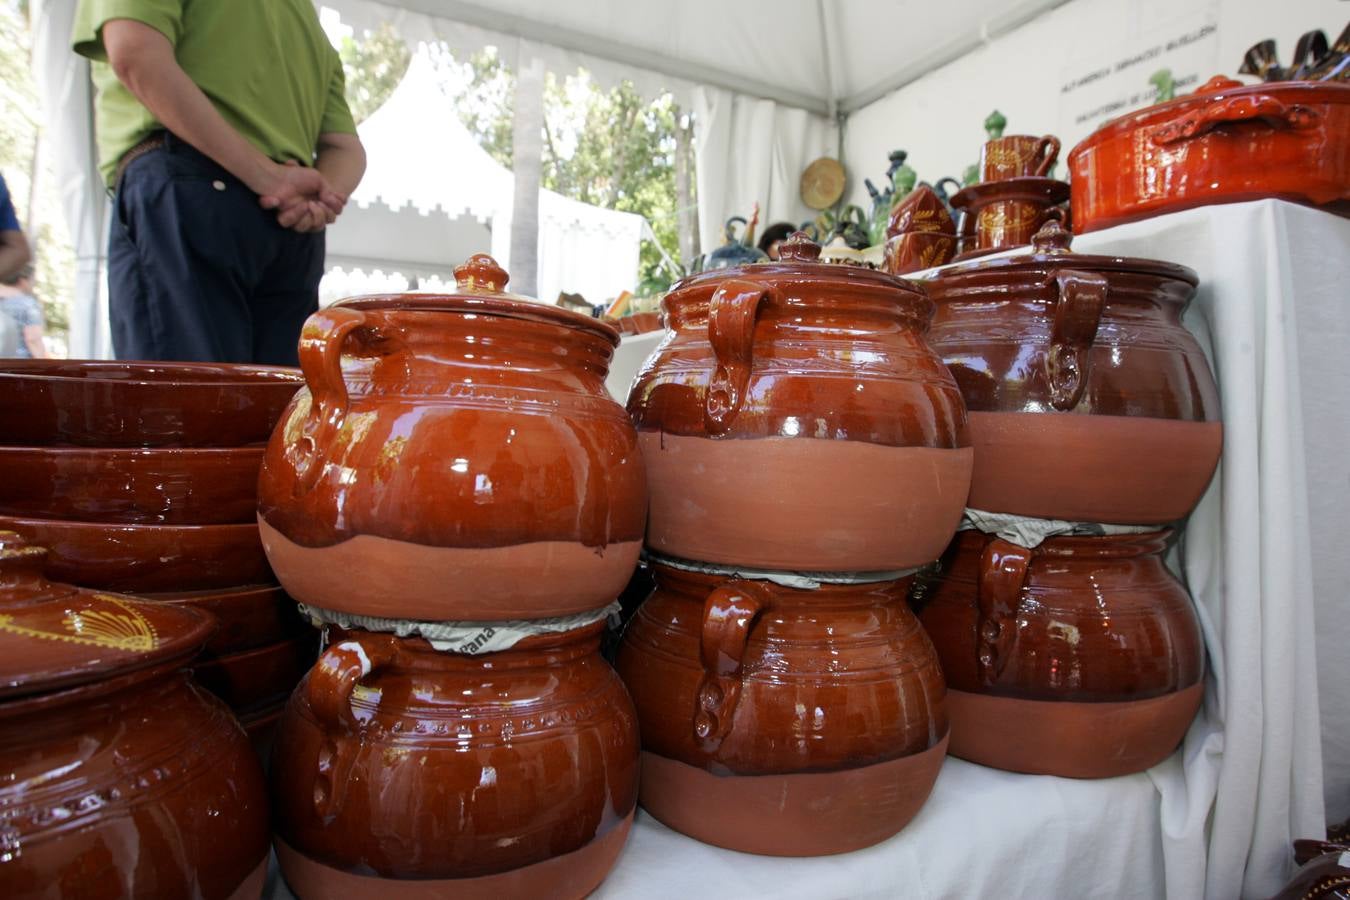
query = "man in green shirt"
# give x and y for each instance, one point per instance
(224, 133)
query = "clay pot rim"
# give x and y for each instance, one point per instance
(131, 453)
(18, 523)
(212, 594)
(88, 371)
(104, 684)
(822, 273)
(781, 591)
(1037, 265)
(506, 306)
(1292, 91)
(420, 652)
(1091, 545)
(1029, 188)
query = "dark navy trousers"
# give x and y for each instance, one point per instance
(198, 271)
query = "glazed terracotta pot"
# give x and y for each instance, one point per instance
(461, 440)
(917, 250)
(121, 777)
(1080, 658)
(1225, 143)
(261, 676)
(1018, 155)
(247, 617)
(795, 418)
(147, 558)
(167, 486)
(402, 771)
(783, 721)
(140, 404)
(1089, 400)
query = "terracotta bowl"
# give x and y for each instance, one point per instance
(141, 404)
(246, 617)
(261, 676)
(161, 485)
(135, 559)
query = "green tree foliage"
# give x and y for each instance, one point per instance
(373, 67)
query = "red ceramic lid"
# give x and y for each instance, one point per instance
(481, 287)
(56, 636)
(799, 260)
(1050, 249)
(1292, 94)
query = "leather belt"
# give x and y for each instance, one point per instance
(156, 141)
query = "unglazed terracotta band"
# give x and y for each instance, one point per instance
(572, 875)
(804, 814)
(1067, 738)
(375, 576)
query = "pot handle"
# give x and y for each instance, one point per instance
(728, 614)
(321, 341)
(731, 331)
(1047, 148)
(1250, 108)
(1078, 312)
(1003, 571)
(329, 692)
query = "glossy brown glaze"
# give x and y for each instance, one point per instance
(247, 617)
(1226, 143)
(121, 778)
(140, 404)
(147, 558)
(1018, 155)
(921, 211)
(258, 677)
(916, 250)
(1078, 618)
(745, 679)
(400, 762)
(441, 433)
(1009, 212)
(789, 383)
(169, 486)
(1089, 400)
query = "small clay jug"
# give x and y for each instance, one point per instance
(121, 778)
(779, 720)
(461, 440)
(1081, 657)
(403, 771)
(1089, 400)
(795, 418)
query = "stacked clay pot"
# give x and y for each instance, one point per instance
(122, 777)
(1089, 403)
(794, 420)
(454, 463)
(142, 477)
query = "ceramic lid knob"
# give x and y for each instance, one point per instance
(21, 565)
(1052, 238)
(1218, 83)
(798, 248)
(480, 272)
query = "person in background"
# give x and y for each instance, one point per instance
(224, 133)
(14, 251)
(773, 236)
(18, 304)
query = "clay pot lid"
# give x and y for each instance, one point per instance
(1217, 89)
(86, 371)
(799, 260)
(1050, 250)
(56, 636)
(1029, 188)
(481, 285)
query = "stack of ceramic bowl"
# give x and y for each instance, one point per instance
(806, 450)
(460, 503)
(1014, 197)
(1068, 647)
(142, 478)
(121, 777)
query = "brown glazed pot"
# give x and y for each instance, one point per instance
(1080, 658)
(782, 721)
(402, 771)
(140, 404)
(138, 486)
(246, 618)
(249, 679)
(462, 440)
(147, 558)
(121, 778)
(1089, 400)
(1008, 213)
(1018, 155)
(795, 418)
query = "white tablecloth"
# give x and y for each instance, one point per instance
(1265, 557)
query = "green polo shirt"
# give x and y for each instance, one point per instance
(266, 65)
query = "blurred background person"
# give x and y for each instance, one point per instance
(14, 251)
(24, 311)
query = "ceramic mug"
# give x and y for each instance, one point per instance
(1018, 155)
(1008, 223)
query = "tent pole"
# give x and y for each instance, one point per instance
(527, 149)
